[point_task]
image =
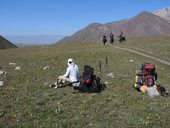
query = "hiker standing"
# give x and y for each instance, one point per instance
(71, 77)
(121, 34)
(104, 40)
(111, 38)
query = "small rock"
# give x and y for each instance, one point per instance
(46, 83)
(110, 75)
(12, 64)
(162, 68)
(1, 83)
(46, 67)
(131, 60)
(17, 68)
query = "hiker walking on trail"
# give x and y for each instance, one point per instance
(121, 37)
(111, 38)
(71, 77)
(121, 34)
(104, 40)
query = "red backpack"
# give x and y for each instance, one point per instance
(148, 74)
(148, 69)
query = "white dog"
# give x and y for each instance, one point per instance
(60, 83)
(2, 73)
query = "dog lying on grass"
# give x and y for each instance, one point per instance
(60, 83)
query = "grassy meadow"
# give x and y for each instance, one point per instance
(27, 101)
(156, 46)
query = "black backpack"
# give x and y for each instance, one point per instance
(90, 82)
(88, 76)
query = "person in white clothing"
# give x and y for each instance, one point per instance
(70, 77)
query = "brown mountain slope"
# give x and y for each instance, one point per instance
(92, 32)
(144, 24)
(5, 44)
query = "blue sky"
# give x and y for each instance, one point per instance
(65, 17)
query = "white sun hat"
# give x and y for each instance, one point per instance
(70, 62)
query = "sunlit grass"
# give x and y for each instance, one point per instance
(25, 101)
(157, 46)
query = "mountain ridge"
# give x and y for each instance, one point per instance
(143, 24)
(5, 44)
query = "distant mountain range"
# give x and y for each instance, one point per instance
(164, 13)
(4, 43)
(144, 24)
(33, 39)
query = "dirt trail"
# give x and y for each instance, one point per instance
(145, 55)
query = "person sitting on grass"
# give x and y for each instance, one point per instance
(71, 77)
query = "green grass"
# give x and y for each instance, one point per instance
(157, 46)
(26, 102)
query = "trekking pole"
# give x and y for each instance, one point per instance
(106, 65)
(100, 66)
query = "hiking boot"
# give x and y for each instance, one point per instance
(52, 85)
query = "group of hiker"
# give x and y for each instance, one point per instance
(112, 38)
(145, 80)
